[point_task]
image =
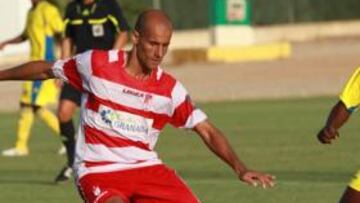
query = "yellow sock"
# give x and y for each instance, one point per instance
(24, 126)
(49, 119)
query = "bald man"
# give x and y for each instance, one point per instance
(127, 101)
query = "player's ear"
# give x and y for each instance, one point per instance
(135, 36)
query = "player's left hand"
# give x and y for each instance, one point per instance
(327, 135)
(255, 179)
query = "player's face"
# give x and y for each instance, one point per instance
(152, 45)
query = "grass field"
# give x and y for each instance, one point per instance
(274, 136)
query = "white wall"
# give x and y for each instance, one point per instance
(12, 23)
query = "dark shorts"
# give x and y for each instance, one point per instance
(70, 93)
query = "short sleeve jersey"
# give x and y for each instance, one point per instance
(94, 26)
(350, 96)
(122, 117)
(43, 21)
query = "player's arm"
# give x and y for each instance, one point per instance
(217, 143)
(35, 70)
(121, 40)
(340, 113)
(15, 40)
(337, 118)
(18, 39)
(66, 48)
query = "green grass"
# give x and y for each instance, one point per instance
(272, 136)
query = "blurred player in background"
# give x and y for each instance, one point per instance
(89, 24)
(127, 99)
(340, 113)
(43, 22)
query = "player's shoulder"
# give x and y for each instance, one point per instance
(355, 75)
(356, 71)
(166, 79)
(107, 57)
(163, 75)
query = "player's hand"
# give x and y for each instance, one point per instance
(255, 179)
(327, 135)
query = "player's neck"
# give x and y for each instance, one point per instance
(135, 68)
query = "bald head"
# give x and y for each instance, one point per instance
(151, 39)
(152, 18)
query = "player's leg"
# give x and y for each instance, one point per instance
(112, 187)
(67, 130)
(352, 192)
(26, 119)
(69, 101)
(49, 118)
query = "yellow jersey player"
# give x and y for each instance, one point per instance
(340, 113)
(43, 22)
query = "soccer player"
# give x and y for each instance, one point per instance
(127, 99)
(340, 113)
(89, 24)
(43, 22)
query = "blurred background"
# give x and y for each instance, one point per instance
(267, 72)
(204, 15)
(194, 14)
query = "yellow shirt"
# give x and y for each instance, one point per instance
(43, 21)
(350, 96)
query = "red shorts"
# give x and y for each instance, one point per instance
(153, 184)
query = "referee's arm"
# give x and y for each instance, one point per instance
(120, 24)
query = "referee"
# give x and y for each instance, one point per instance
(89, 24)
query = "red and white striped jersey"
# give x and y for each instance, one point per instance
(121, 117)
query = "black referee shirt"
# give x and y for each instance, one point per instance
(94, 26)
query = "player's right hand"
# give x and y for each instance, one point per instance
(255, 179)
(327, 135)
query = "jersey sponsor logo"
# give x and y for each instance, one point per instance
(133, 92)
(146, 97)
(125, 123)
